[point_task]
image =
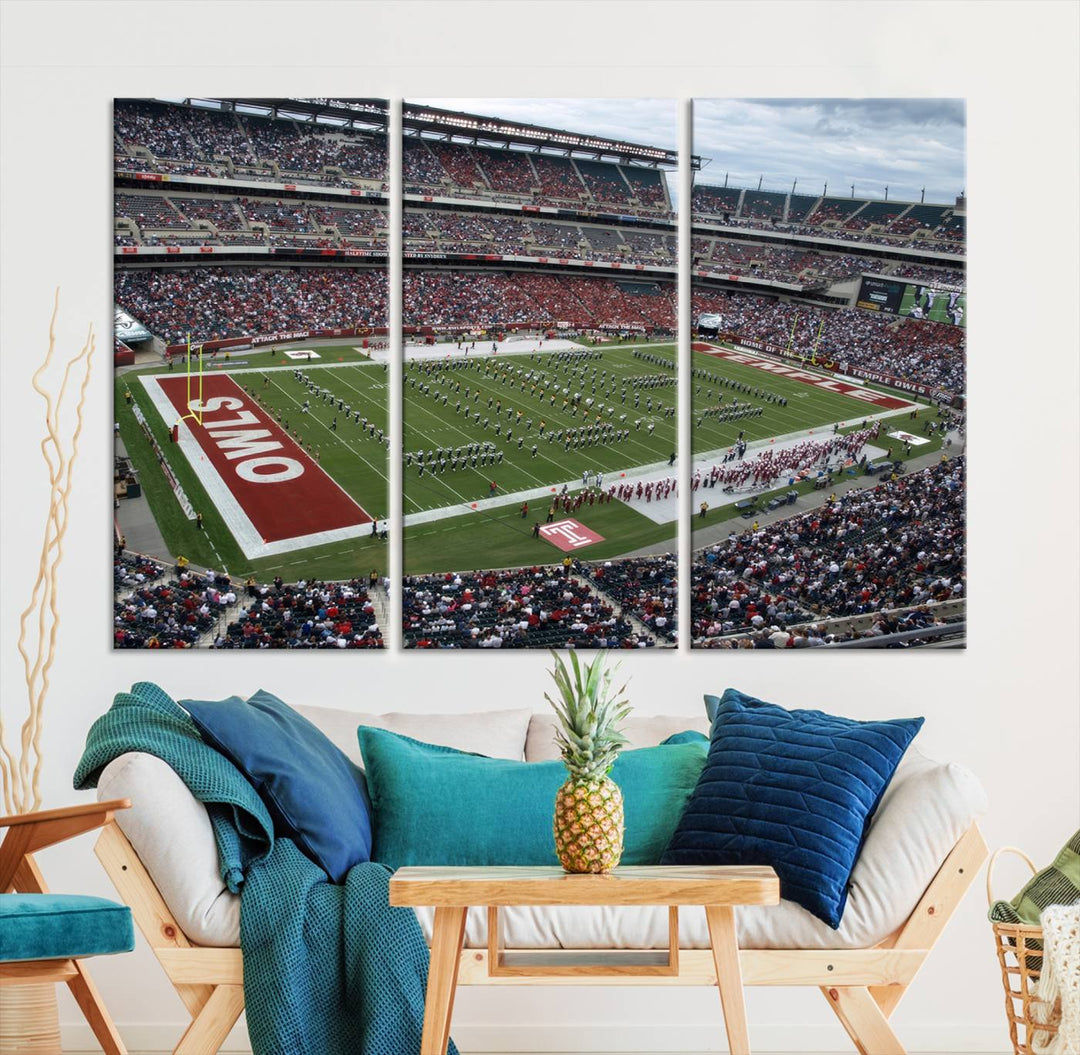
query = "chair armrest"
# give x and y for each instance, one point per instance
(30, 832)
(65, 812)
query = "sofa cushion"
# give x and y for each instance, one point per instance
(316, 796)
(791, 789)
(925, 810)
(497, 734)
(57, 926)
(639, 730)
(433, 805)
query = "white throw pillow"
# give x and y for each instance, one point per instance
(640, 730)
(497, 734)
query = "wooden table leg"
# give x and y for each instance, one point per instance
(725, 950)
(446, 941)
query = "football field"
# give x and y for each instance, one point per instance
(723, 385)
(336, 445)
(482, 436)
(535, 420)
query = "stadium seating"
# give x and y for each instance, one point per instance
(149, 211)
(536, 607)
(645, 185)
(507, 170)
(159, 137)
(211, 302)
(305, 615)
(873, 213)
(899, 544)
(710, 202)
(605, 182)
(799, 205)
(419, 165)
(646, 587)
(157, 614)
(459, 163)
(559, 180)
(929, 353)
(763, 205)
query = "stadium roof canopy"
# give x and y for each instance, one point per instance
(476, 129)
(363, 114)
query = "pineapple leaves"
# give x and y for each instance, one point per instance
(588, 714)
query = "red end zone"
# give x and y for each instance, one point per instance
(270, 479)
(807, 377)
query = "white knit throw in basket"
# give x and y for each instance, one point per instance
(1060, 979)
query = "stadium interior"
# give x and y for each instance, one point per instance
(268, 219)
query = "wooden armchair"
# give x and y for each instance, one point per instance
(45, 937)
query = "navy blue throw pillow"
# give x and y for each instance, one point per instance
(315, 795)
(792, 789)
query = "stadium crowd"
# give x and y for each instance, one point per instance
(644, 586)
(930, 353)
(899, 544)
(256, 146)
(537, 607)
(163, 606)
(211, 302)
(305, 615)
(459, 170)
(151, 613)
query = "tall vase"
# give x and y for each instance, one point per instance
(29, 1022)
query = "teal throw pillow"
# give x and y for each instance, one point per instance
(437, 806)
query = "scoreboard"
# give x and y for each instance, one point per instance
(916, 300)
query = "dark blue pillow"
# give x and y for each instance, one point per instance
(315, 795)
(791, 789)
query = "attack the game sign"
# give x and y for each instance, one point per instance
(569, 535)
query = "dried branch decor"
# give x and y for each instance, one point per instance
(38, 625)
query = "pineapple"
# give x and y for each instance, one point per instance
(588, 808)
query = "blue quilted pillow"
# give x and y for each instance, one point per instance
(791, 789)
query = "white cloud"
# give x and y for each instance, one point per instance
(906, 144)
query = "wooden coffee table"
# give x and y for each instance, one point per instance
(452, 891)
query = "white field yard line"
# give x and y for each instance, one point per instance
(239, 524)
(559, 419)
(337, 436)
(303, 365)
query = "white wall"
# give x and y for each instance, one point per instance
(1007, 708)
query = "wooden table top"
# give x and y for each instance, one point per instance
(637, 885)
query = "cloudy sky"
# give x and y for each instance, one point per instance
(907, 144)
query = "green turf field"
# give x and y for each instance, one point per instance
(939, 312)
(501, 386)
(501, 538)
(807, 407)
(354, 459)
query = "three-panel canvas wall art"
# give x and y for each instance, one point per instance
(549, 374)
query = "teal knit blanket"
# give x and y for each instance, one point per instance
(328, 969)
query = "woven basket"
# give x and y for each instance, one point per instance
(1020, 955)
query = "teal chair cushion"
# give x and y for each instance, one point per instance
(59, 926)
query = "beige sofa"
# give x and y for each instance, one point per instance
(921, 852)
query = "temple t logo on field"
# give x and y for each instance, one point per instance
(569, 535)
